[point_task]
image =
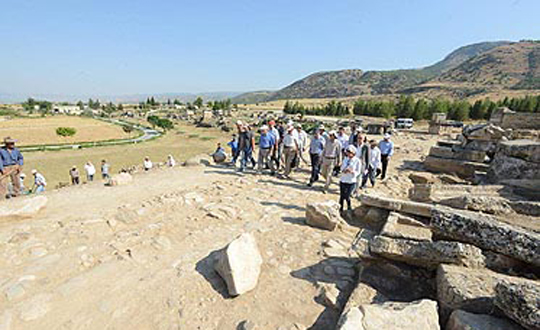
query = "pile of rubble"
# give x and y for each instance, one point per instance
(427, 266)
(466, 156)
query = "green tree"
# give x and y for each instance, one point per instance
(80, 104)
(66, 131)
(421, 110)
(198, 102)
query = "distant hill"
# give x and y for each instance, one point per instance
(252, 97)
(355, 82)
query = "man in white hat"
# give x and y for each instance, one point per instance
(11, 162)
(291, 146)
(331, 157)
(350, 170)
(387, 150)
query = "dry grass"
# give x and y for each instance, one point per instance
(56, 164)
(33, 131)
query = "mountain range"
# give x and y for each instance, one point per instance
(470, 70)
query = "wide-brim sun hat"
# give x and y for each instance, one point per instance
(321, 127)
(8, 139)
(264, 128)
(387, 136)
(334, 133)
(351, 149)
(34, 171)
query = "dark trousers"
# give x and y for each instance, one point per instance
(75, 180)
(384, 162)
(345, 192)
(247, 156)
(371, 175)
(315, 167)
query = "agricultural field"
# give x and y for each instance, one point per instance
(182, 142)
(39, 131)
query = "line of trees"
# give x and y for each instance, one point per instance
(162, 123)
(408, 107)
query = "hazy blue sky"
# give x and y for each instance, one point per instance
(131, 46)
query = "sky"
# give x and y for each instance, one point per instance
(122, 47)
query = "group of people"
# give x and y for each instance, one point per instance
(354, 158)
(90, 171)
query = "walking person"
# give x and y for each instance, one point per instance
(303, 140)
(267, 144)
(316, 147)
(90, 171)
(387, 150)
(11, 163)
(39, 182)
(75, 176)
(374, 165)
(246, 145)
(105, 169)
(233, 144)
(290, 149)
(350, 170)
(251, 158)
(147, 164)
(277, 138)
(363, 152)
(331, 157)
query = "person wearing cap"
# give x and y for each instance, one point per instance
(343, 138)
(331, 157)
(11, 162)
(147, 164)
(90, 170)
(267, 143)
(322, 131)
(387, 150)
(316, 147)
(291, 146)
(105, 169)
(350, 170)
(74, 174)
(303, 143)
(39, 182)
(374, 165)
(233, 144)
(363, 152)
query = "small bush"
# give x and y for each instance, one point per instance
(66, 131)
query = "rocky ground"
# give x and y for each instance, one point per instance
(142, 255)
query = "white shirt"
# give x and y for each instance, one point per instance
(90, 169)
(148, 164)
(171, 162)
(290, 140)
(39, 180)
(303, 139)
(375, 161)
(354, 165)
(344, 140)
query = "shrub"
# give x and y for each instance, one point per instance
(66, 131)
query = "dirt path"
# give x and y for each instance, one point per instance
(141, 256)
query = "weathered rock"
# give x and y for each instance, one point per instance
(458, 153)
(120, 179)
(472, 290)
(520, 302)
(415, 315)
(486, 132)
(488, 233)
(360, 245)
(246, 325)
(423, 178)
(323, 215)
(527, 150)
(22, 207)
(329, 295)
(486, 204)
(199, 160)
(427, 254)
(504, 167)
(461, 168)
(461, 320)
(401, 226)
(239, 264)
(415, 208)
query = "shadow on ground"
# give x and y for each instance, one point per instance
(205, 267)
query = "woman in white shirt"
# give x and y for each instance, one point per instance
(147, 164)
(171, 162)
(374, 166)
(90, 171)
(350, 170)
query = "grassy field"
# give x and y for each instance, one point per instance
(183, 142)
(34, 131)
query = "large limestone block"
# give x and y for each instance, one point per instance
(520, 302)
(462, 168)
(401, 226)
(461, 320)
(488, 233)
(239, 264)
(505, 168)
(527, 150)
(472, 290)
(427, 254)
(421, 314)
(22, 207)
(121, 179)
(323, 215)
(391, 204)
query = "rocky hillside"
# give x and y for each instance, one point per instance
(469, 70)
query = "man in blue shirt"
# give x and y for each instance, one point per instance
(11, 162)
(267, 143)
(387, 150)
(316, 148)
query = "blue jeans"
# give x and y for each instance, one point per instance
(246, 157)
(40, 189)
